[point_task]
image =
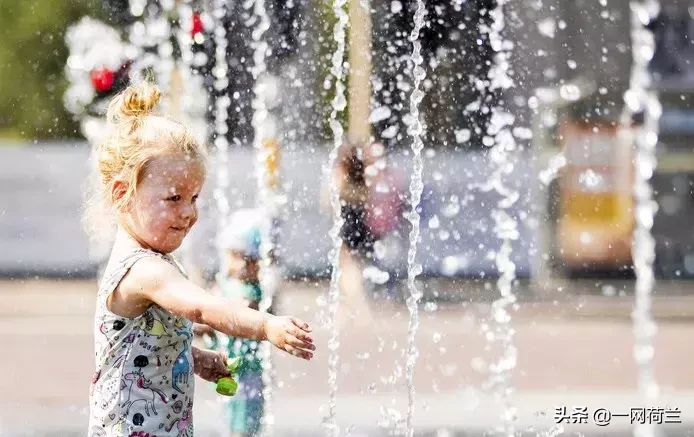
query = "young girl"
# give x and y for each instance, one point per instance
(239, 279)
(151, 171)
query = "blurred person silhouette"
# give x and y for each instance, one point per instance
(239, 279)
(349, 177)
(384, 212)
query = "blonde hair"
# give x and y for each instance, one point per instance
(135, 135)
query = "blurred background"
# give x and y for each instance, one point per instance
(570, 177)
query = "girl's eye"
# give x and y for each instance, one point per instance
(175, 198)
(195, 198)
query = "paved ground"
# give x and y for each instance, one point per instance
(574, 350)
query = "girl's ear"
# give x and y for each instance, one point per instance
(118, 191)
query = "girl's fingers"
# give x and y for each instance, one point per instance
(306, 355)
(301, 324)
(303, 335)
(296, 342)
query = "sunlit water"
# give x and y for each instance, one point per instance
(416, 186)
(502, 157)
(152, 30)
(338, 105)
(640, 98)
(265, 198)
(221, 145)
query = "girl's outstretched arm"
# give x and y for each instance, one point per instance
(153, 280)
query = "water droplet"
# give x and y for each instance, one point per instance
(462, 135)
(571, 93)
(379, 114)
(609, 290)
(523, 133)
(451, 209)
(591, 180)
(390, 132)
(430, 307)
(478, 364)
(363, 356)
(586, 237)
(375, 275)
(547, 27)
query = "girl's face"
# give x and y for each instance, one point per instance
(164, 208)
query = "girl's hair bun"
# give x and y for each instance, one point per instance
(133, 105)
(139, 100)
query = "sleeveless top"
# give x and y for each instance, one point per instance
(144, 382)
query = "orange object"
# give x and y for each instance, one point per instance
(272, 161)
(595, 222)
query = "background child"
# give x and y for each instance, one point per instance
(238, 279)
(151, 170)
(357, 241)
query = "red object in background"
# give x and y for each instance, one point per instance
(196, 26)
(102, 79)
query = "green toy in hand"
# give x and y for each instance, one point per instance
(227, 386)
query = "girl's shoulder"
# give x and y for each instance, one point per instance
(149, 270)
(137, 271)
(122, 262)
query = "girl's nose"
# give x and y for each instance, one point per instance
(188, 211)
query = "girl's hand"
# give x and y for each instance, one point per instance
(290, 334)
(201, 329)
(210, 365)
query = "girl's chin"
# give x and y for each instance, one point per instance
(171, 245)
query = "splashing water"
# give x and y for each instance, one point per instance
(222, 103)
(639, 98)
(416, 186)
(221, 145)
(505, 227)
(265, 198)
(548, 174)
(153, 30)
(338, 104)
(189, 79)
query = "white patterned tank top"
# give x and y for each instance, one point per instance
(144, 383)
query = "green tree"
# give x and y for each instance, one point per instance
(32, 62)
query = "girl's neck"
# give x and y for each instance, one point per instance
(126, 242)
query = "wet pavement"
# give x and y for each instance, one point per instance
(574, 350)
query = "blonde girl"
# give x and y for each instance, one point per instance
(150, 173)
